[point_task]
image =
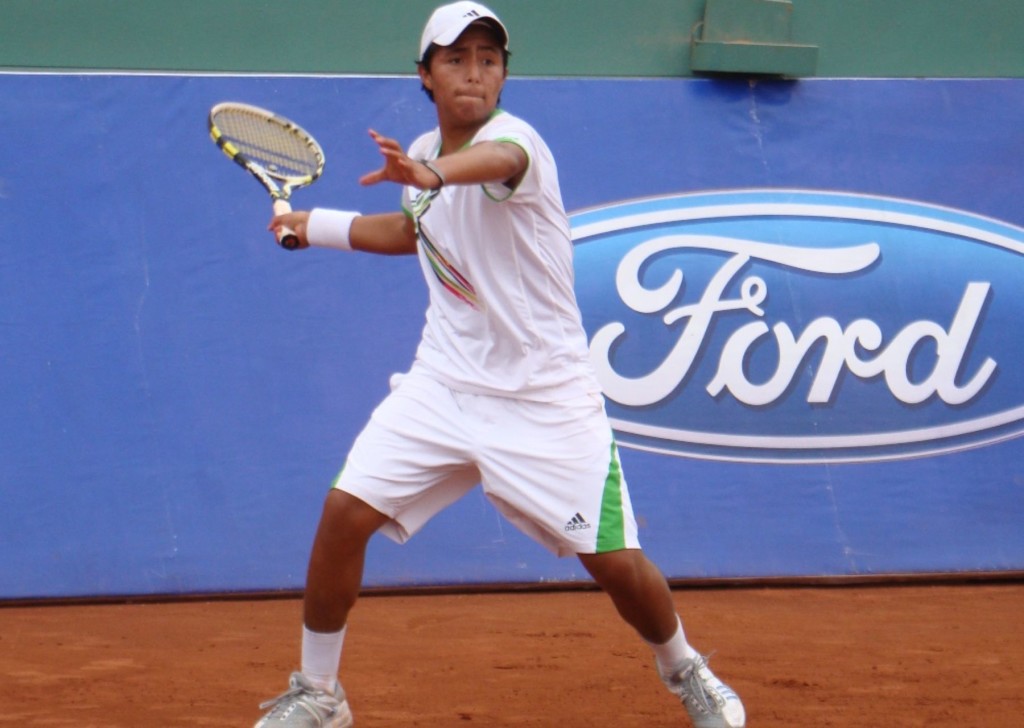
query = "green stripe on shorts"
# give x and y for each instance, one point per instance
(337, 478)
(611, 534)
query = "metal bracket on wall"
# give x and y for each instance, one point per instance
(750, 37)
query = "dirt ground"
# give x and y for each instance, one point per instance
(921, 655)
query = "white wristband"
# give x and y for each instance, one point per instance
(330, 228)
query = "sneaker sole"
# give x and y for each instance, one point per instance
(344, 717)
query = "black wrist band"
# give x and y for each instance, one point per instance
(436, 171)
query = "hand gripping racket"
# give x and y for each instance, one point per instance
(279, 153)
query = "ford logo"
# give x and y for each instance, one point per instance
(802, 326)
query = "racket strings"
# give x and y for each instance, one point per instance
(278, 147)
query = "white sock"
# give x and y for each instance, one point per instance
(673, 654)
(321, 657)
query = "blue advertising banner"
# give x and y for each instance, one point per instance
(802, 301)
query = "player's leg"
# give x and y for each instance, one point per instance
(641, 595)
(637, 589)
(335, 573)
(314, 697)
(404, 467)
(554, 471)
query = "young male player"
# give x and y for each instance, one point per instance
(501, 391)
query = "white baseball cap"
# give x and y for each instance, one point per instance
(448, 21)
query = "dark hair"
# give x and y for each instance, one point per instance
(429, 56)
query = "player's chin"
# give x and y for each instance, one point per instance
(473, 107)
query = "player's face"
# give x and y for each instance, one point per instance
(466, 77)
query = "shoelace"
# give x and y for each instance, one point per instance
(293, 694)
(695, 689)
(284, 697)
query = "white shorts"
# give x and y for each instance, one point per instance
(552, 469)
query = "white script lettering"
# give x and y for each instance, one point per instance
(841, 346)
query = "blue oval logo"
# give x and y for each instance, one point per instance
(802, 326)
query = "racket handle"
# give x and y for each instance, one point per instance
(286, 237)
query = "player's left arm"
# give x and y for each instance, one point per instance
(485, 162)
(482, 163)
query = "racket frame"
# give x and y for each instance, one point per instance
(280, 186)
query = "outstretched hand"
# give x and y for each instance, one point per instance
(398, 166)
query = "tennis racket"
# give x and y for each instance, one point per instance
(279, 153)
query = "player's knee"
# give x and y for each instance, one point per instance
(616, 572)
(347, 517)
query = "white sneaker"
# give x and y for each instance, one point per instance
(710, 702)
(306, 706)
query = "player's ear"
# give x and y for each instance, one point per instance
(425, 78)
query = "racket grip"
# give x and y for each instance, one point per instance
(286, 237)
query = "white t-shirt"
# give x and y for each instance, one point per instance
(503, 317)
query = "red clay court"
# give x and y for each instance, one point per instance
(801, 657)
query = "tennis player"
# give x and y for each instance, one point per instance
(501, 392)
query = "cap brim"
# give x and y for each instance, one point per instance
(452, 34)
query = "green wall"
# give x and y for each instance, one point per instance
(856, 38)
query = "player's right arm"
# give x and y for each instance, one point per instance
(392, 233)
